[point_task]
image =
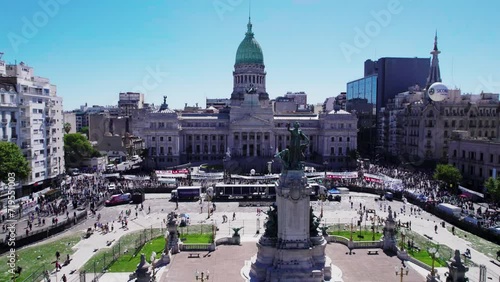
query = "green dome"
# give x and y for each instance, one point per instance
(249, 51)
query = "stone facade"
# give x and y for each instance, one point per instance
(476, 158)
(248, 128)
(31, 116)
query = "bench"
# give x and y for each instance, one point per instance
(427, 236)
(194, 255)
(375, 252)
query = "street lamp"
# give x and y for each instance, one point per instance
(203, 276)
(403, 234)
(322, 198)
(351, 230)
(373, 229)
(325, 163)
(209, 198)
(401, 271)
(433, 252)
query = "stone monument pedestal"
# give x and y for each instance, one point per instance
(295, 253)
(142, 273)
(456, 268)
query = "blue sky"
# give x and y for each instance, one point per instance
(185, 49)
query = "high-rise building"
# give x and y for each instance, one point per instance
(416, 130)
(383, 79)
(129, 101)
(32, 117)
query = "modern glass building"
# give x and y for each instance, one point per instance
(362, 99)
(383, 80)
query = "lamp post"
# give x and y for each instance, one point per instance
(403, 234)
(208, 205)
(203, 276)
(351, 229)
(325, 163)
(373, 229)
(322, 198)
(401, 271)
(433, 252)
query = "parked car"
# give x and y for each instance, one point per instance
(495, 229)
(473, 220)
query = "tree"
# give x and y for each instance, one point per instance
(352, 155)
(493, 187)
(12, 161)
(85, 130)
(448, 174)
(77, 148)
(67, 127)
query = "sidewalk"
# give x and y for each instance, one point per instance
(85, 248)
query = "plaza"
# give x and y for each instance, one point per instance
(226, 262)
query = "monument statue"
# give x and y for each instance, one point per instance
(291, 248)
(313, 224)
(272, 222)
(236, 231)
(294, 153)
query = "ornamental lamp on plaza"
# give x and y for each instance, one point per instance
(322, 198)
(203, 276)
(401, 271)
(403, 234)
(433, 252)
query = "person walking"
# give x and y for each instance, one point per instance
(234, 216)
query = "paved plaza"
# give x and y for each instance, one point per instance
(226, 262)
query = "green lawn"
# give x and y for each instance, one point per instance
(366, 235)
(128, 262)
(29, 261)
(424, 257)
(482, 245)
(124, 247)
(205, 238)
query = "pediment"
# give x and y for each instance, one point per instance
(250, 120)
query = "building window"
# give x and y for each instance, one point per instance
(169, 138)
(161, 138)
(333, 139)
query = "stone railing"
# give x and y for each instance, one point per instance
(353, 244)
(226, 241)
(196, 247)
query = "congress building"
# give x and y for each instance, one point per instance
(247, 133)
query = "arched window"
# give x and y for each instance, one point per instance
(333, 139)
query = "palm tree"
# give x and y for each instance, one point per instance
(67, 127)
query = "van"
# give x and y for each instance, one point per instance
(450, 209)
